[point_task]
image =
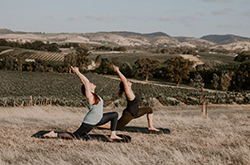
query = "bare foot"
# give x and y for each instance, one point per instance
(115, 137)
(51, 134)
(153, 129)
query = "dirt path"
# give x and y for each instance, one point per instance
(5, 51)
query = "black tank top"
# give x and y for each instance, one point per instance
(133, 106)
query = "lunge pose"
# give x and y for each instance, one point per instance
(94, 117)
(132, 111)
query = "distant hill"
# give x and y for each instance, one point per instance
(195, 41)
(156, 34)
(182, 39)
(5, 31)
(126, 38)
(126, 34)
(225, 39)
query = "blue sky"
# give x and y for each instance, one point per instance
(191, 18)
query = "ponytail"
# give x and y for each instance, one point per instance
(121, 90)
(96, 98)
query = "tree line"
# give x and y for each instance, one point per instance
(176, 69)
(54, 47)
(36, 45)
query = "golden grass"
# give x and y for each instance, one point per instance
(223, 138)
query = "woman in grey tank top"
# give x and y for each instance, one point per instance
(95, 115)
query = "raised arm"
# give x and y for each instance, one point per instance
(127, 85)
(85, 81)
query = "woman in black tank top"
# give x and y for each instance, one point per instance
(132, 111)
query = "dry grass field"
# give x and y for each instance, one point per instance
(222, 138)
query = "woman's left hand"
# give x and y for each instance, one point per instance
(115, 68)
(75, 69)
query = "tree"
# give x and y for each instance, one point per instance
(178, 69)
(38, 45)
(82, 60)
(127, 69)
(242, 56)
(198, 83)
(115, 61)
(241, 78)
(20, 61)
(69, 60)
(121, 48)
(144, 67)
(3, 42)
(98, 59)
(105, 67)
(40, 65)
(9, 62)
(53, 47)
(27, 45)
(225, 81)
(215, 81)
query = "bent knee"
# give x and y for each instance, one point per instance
(149, 110)
(114, 114)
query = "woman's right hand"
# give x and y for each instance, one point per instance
(115, 68)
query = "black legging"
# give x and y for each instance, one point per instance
(127, 116)
(110, 116)
(86, 128)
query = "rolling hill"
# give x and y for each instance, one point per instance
(225, 39)
(124, 38)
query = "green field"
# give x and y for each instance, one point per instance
(219, 59)
(209, 58)
(64, 89)
(130, 56)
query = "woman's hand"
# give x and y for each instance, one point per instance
(75, 69)
(115, 68)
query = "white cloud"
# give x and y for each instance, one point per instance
(222, 12)
(130, 17)
(230, 26)
(100, 17)
(188, 21)
(245, 2)
(72, 18)
(191, 18)
(51, 16)
(175, 11)
(200, 14)
(246, 13)
(167, 19)
(224, 1)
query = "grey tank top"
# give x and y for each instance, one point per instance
(95, 113)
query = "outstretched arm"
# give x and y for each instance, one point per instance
(85, 81)
(129, 92)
